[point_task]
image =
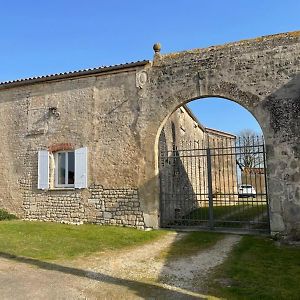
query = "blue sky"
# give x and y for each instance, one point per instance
(46, 37)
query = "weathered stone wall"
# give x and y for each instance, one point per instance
(94, 112)
(115, 207)
(102, 206)
(182, 128)
(263, 76)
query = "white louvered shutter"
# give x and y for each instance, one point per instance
(43, 170)
(81, 168)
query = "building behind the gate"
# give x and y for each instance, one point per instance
(255, 177)
(183, 147)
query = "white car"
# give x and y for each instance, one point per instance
(247, 190)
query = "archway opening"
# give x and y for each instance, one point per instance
(212, 168)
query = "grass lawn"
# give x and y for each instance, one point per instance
(191, 244)
(235, 212)
(218, 211)
(246, 214)
(231, 216)
(258, 269)
(53, 241)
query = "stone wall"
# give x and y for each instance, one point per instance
(98, 206)
(115, 207)
(262, 75)
(94, 112)
(118, 113)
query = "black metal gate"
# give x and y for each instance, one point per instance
(219, 184)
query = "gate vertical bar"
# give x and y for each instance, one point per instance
(210, 191)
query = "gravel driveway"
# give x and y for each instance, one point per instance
(137, 273)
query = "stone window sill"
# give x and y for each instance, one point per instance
(63, 189)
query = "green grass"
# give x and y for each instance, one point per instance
(258, 269)
(246, 214)
(192, 243)
(249, 212)
(224, 214)
(218, 211)
(53, 241)
(4, 215)
(200, 216)
(241, 211)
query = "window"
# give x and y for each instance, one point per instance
(64, 169)
(70, 169)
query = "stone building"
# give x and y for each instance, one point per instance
(224, 167)
(254, 177)
(70, 147)
(101, 129)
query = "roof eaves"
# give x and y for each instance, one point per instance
(72, 74)
(193, 116)
(220, 132)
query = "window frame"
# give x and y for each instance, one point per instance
(47, 169)
(56, 170)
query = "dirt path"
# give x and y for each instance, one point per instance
(131, 274)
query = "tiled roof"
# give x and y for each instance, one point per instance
(71, 74)
(215, 131)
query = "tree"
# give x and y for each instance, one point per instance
(249, 150)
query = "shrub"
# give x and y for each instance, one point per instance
(4, 215)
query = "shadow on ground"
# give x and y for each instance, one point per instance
(139, 289)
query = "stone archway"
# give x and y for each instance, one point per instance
(203, 170)
(260, 74)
